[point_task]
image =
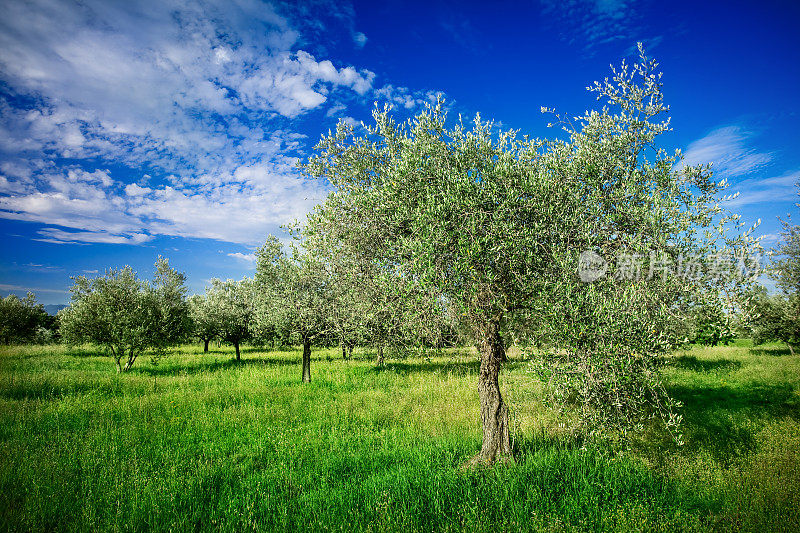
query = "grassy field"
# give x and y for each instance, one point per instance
(199, 442)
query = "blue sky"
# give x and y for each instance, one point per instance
(136, 129)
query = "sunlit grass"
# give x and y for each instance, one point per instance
(201, 442)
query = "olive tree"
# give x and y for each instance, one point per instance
(203, 322)
(230, 308)
(22, 320)
(496, 223)
(371, 306)
(778, 316)
(128, 316)
(294, 291)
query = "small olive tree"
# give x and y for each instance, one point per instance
(204, 326)
(295, 293)
(22, 320)
(230, 310)
(778, 316)
(128, 316)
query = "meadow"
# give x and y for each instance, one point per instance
(200, 442)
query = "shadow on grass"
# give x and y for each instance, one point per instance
(775, 351)
(459, 367)
(690, 362)
(716, 418)
(405, 368)
(215, 366)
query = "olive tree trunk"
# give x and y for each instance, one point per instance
(306, 360)
(494, 412)
(205, 346)
(380, 360)
(238, 355)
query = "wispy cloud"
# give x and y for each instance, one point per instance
(360, 39)
(405, 98)
(19, 288)
(775, 189)
(589, 24)
(727, 148)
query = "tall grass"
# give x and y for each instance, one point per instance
(199, 442)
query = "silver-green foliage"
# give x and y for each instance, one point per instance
(495, 223)
(294, 290)
(23, 320)
(777, 317)
(228, 309)
(128, 316)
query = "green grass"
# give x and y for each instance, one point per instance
(199, 442)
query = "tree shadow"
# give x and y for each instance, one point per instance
(690, 362)
(216, 366)
(774, 351)
(458, 367)
(404, 368)
(716, 418)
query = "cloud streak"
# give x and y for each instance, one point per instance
(727, 149)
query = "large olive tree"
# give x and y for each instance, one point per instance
(496, 224)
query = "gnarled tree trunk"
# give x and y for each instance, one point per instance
(306, 360)
(494, 412)
(238, 355)
(205, 346)
(380, 359)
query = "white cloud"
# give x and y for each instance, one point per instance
(198, 91)
(134, 189)
(405, 98)
(727, 149)
(775, 189)
(335, 109)
(247, 258)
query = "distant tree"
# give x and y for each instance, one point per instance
(22, 320)
(127, 316)
(787, 264)
(231, 308)
(173, 324)
(495, 224)
(711, 325)
(203, 322)
(295, 292)
(778, 316)
(370, 306)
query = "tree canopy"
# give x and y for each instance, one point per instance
(22, 320)
(126, 315)
(497, 225)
